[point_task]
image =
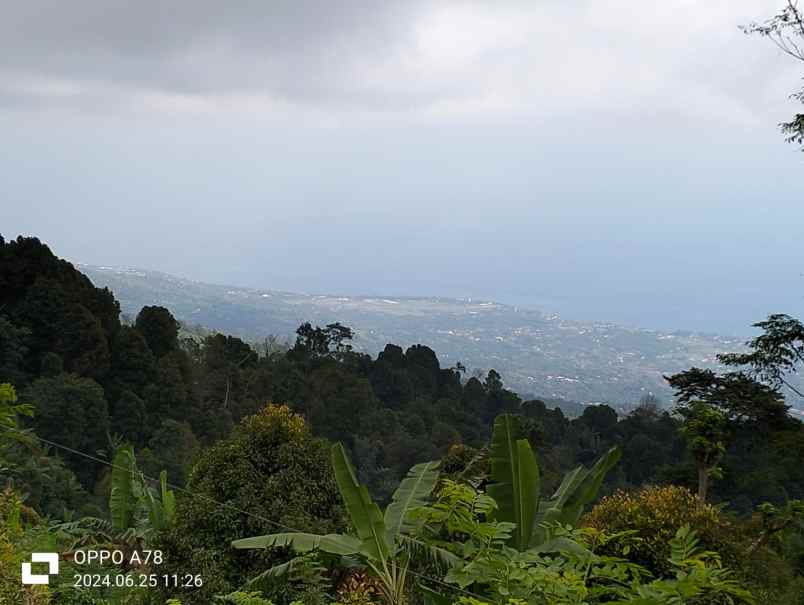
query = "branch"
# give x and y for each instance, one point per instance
(791, 387)
(793, 5)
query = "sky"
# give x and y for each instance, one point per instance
(612, 160)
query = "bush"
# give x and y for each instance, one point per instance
(655, 514)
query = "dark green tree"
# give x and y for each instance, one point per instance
(741, 398)
(173, 447)
(13, 351)
(160, 329)
(72, 412)
(129, 417)
(133, 364)
(322, 342)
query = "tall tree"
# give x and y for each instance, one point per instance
(705, 429)
(160, 329)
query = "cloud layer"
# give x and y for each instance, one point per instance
(464, 58)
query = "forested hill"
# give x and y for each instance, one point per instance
(537, 354)
(237, 429)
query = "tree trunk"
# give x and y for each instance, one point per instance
(703, 483)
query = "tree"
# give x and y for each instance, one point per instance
(169, 395)
(322, 342)
(128, 417)
(133, 364)
(705, 429)
(271, 473)
(64, 312)
(60, 324)
(715, 407)
(172, 447)
(160, 329)
(775, 354)
(13, 351)
(739, 396)
(72, 412)
(786, 31)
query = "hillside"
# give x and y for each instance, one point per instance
(537, 354)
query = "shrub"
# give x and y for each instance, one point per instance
(655, 514)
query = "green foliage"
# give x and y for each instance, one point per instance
(125, 492)
(569, 568)
(738, 396)
(50, 486)
(379, 538)
(131, 495)
(705, 429)
(71, 411)
(172, 447)
(516, 486)
(411, 494)
(23, 532)
(159, 328)
(243, 598)
(270, 473)
(10, 414)
(515, 473)
(699, 575)
(13, 351)
(653, 515)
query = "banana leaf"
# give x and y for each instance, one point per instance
(411, 493)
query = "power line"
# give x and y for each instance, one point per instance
(183, 490)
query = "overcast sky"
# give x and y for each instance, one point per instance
(604, 159)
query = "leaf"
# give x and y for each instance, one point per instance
(155, 512)
(122, 501)
(578, 488)
(275, 576)
(363, 511)
(168, 498)
(587, 489)
(411, 493)
(563, 545)
(515, 474)
(435, 554)
(336, 544)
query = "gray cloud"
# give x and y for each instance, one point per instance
(291, 49)
(439, 56)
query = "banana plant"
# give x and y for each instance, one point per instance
(380, 540)
(516, 486)
(131, 495)
(136, 510)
